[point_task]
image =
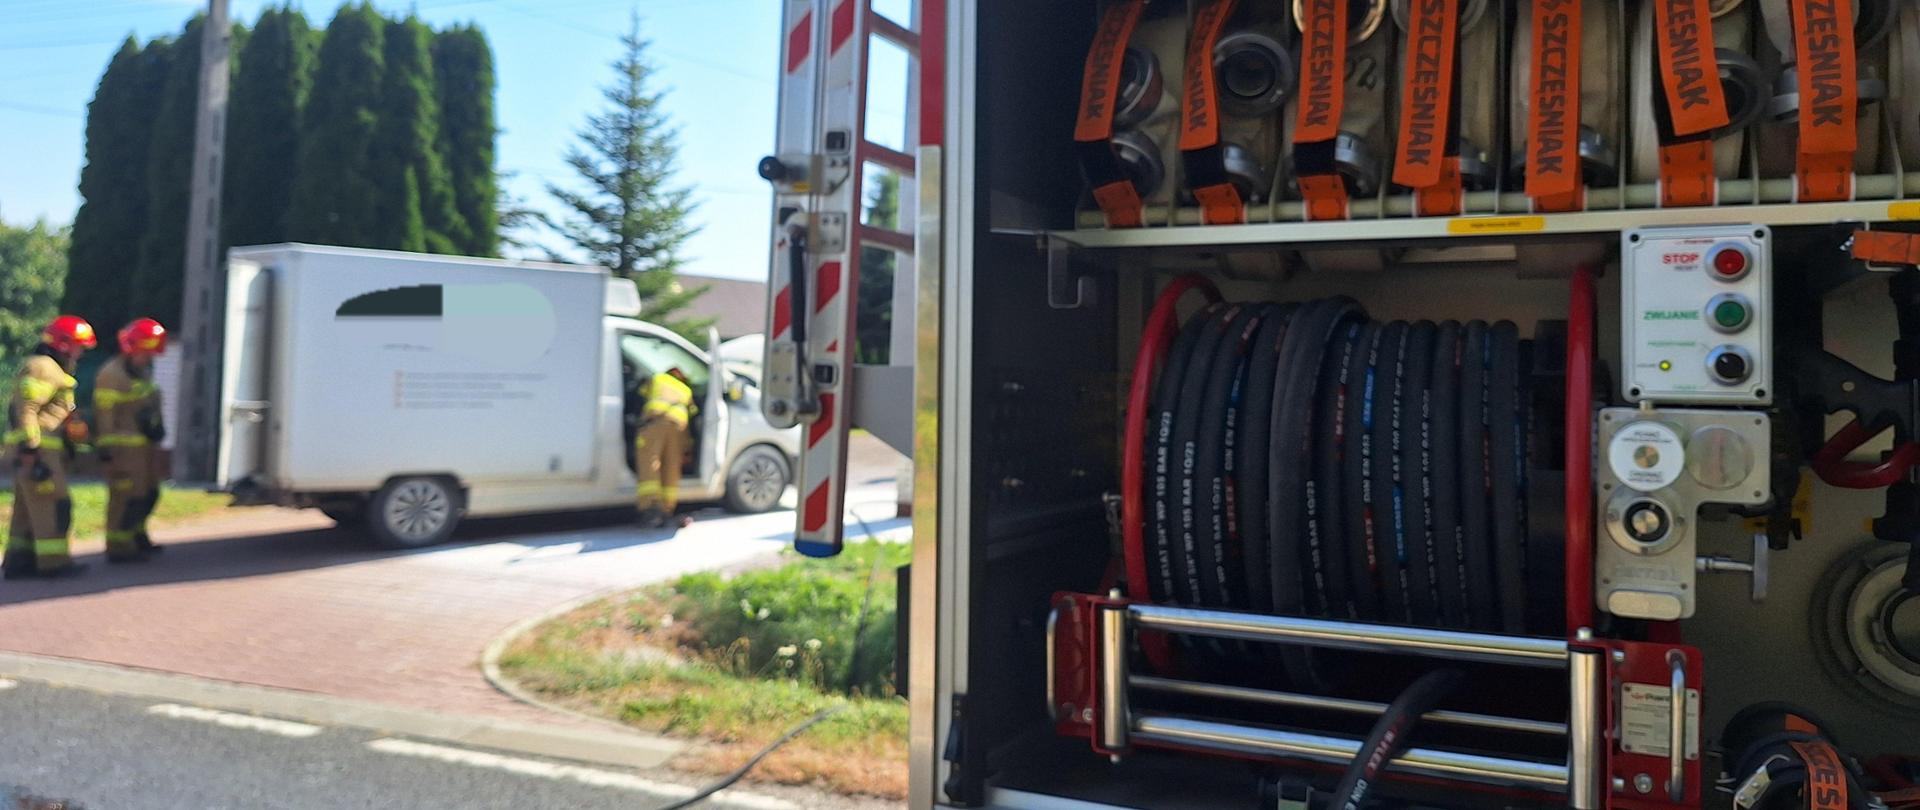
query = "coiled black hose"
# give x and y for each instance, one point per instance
(1307, 460)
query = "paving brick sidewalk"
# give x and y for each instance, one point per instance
(281, 598)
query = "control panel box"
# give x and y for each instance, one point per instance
(1697, 315)
(1656, 469)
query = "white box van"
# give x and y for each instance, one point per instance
(402, 391)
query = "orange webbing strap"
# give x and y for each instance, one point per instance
(1826, 787)
(1886, 247)
(1100, 83)
(1574, 200)
(1829, 95)
(1688, 67)
(1326, 196)
(1323, 87)
(1445, 198)
(1121, 203)
(1323, 71)
(1553, 117)
(1093, 129)
(1686, 173)
(1426, 97)
(1220, 204)
(1693, 105)
(1200, 146)
(1795, 722)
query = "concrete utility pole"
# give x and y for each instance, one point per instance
(202, 305)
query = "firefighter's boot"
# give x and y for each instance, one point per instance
(19, 562)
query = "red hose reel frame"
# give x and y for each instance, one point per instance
(1161, 325)
(1074, 651)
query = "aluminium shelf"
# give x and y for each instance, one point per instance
(1504, 215)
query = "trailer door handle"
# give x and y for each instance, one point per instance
(253, 411)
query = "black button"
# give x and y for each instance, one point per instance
(1647, 522)
(1730, 366)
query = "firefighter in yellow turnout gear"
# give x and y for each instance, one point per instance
(660, 447)
(36, 438)
(127, 421)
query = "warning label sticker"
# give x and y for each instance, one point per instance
(1646, 720)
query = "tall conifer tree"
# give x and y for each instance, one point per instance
(263, 126)
(336, 188)
(105, 250)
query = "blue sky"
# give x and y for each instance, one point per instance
(716, 59)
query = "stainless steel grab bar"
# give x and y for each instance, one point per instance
(1228, 738)
(1376, 638)
(1118, 726)
(1677, 727)
(1332, 704)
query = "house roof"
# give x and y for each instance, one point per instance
(740, 305)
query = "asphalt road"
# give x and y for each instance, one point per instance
(107, 752)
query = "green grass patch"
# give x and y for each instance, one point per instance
(739, 659)
(90, 507)
(829, 623)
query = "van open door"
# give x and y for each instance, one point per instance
(245, 384)
(715, 419)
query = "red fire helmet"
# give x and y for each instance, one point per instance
(145, 336)
(69, 333)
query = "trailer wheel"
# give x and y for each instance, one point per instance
(413, 512)
(756, 481)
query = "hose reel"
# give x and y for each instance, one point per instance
(1374, 471)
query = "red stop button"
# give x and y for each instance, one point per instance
(1730, 262)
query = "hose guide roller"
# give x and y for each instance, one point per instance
(1096, 690)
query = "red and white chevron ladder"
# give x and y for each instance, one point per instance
(820, 171)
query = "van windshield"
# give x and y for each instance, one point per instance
(652, 355)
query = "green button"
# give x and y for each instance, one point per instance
(1730, 314)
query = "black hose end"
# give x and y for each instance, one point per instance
(772, 170)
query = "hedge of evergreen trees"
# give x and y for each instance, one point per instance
(374, 132)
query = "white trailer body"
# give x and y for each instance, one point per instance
(455, 361)
(374, 383)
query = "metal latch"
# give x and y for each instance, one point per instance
(1756, 570)
(252, 411)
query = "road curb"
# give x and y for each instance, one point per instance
(490, 664)
(623, 748)
(490, 657)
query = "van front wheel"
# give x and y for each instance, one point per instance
(413, 512)
(757, 480)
